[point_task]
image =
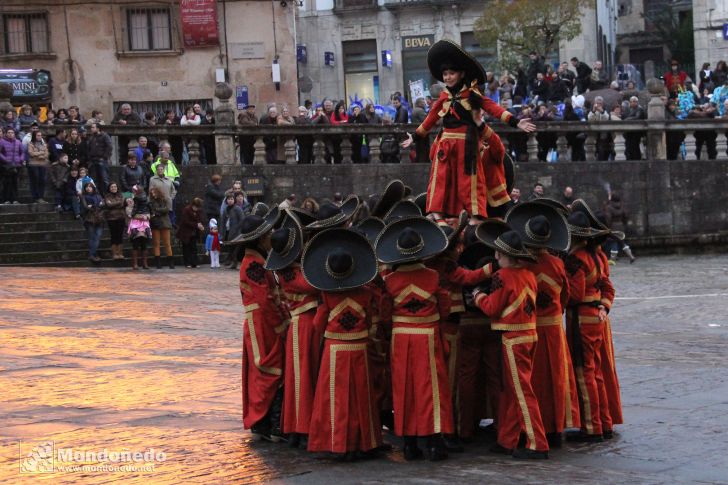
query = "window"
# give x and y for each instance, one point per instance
(159, 107)
(361, 69)
(24, 33)
(487, 56)
(149, 29)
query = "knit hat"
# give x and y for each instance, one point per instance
(213, 223)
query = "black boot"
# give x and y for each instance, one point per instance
(453, 443)
(436, 447)
(525, 454)
(275, 412)
(261, 429)
(554, 439)
(304, 442)
(387, 419)
(170, 262)
(158, 262)
(411, 451)
(583, 437)
(294, 440)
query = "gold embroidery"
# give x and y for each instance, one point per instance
(452, 358)
(256, 350)
(513, 327)
(251, 307)
(549, 281)
(549, 321)
(410, 289)
(474, 195)
(435, 176)
(304, 308)
(586, 402)
(347, 302)
(429, 319)
(296, 363)
(346, 336)
(567, 382)
(452, 135)
(513, 306)
(508, 344)
(505, 117)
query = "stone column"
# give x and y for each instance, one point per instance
(224, 118)
(656, 145)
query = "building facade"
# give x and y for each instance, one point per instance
(369, 49)
(98, 54)
(710, 18)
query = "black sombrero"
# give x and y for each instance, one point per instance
(555, 204)
(511, 244)
(338, 260)
(304, 216)
(453, 233)
(331, 215)
(489, 230)
(254, 226)
(286, 244)
(581, 227)
(370, 227)
(580, 206)
(421, 201)
(509, 169)
(391, 195)
(410, 239)
(446, 54)
(260, 209)
(403, 208)
(540, 225)
(474, 254)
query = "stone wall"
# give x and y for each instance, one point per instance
(675, 203)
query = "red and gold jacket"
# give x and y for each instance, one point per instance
(443, 106)
(298, 294)
(585, 281)
(453, 277)
(511, 304)
(344, 315)
(606, 286)
(552, 288)
(495, 175)
(414, 296)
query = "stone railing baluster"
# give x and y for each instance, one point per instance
(319, 150)
(374, 150)
(290, 150)
(590, 147)
(562, 147)
(619, 146)
(259, 157)
(721, 145)
(346, 150)
(690, 145)
(532, 148)
(193, 149)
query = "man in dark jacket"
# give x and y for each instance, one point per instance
(632, 138)
(583, 75)
(214, 195)
(99, 148)
(305, 142)
(401, 115)
(55, 145)
(535, 66)
(132, 174)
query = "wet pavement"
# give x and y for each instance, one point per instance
(94, 359)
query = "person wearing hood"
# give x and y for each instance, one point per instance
(212, 244)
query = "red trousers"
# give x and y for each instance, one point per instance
(343, 417)
(450, 189)
(553, 379)
(611, 380)
(262, 370)
(420, 391)
(303, 344)
(593, 401)
(517, 407)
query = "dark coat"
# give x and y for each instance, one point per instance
(616, 215)
(133, 176)
(114, 207)
(187, 230)
(159, 211)
(214, 195)
(99, 147)
(76, 151)
(232, 218)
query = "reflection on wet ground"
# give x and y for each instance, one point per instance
(94, 359)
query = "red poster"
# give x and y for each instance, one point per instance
(199, 22)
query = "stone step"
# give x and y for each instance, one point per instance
(69, 256)
(77, 232)
(51, 245)
(8, 209)
(40, 225)
(35, 216)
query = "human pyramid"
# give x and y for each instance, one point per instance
(428, 317)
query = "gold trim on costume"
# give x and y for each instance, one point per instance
(433, 179)
(513, 327)
(304, 308)
(567, 384)
(452, 358)
(508, 344)
(505, 117)
(589, 320)
(256, 350)
(295, 296)
(296, 363)
(518, 301)
(410, 289)
(428, 319)
(332, 377)
(474, 195)
(346, 302)
(549, 321)
(585, 398)
(549, 281)
(452, 135)
(346, 335)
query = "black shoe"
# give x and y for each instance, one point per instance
(411, 451)
(436, 449)
(491, 430)
(294, 440)
(385, 447)
(608, 434)
(261, 429)
(303, 442)
(554, 439)
(158, 262)
(500, 450)
(387, 419)
(453, 444)
(582, 437)
(525, 454)
(170, 262)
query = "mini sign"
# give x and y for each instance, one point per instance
(725, 31)
(253, 186)
(241, 96)
(247, 50)
(417, 42)
(329, 59)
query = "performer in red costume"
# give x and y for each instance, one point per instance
(543, 229)
(511, 306)
(344, 420)
(458, 173)
(263, 329)
(416, 304)
(303, 342)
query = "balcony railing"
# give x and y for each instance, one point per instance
(654, 137)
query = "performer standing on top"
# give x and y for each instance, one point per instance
(458, 173)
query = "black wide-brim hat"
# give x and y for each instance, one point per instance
(403, 208)
(511, 244)
(473, 254)
(555, 204)
(579, 205)
(446, 54)
(393, 193)
(558, 237)
(489, 230)
(421, 201)
(433, 239)
(304, 216)
(288, 255)
(314, 262)
(260, 209)
(371, 227)
(459, 228)
(580, 226)
(347, 210)
(268, 221)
